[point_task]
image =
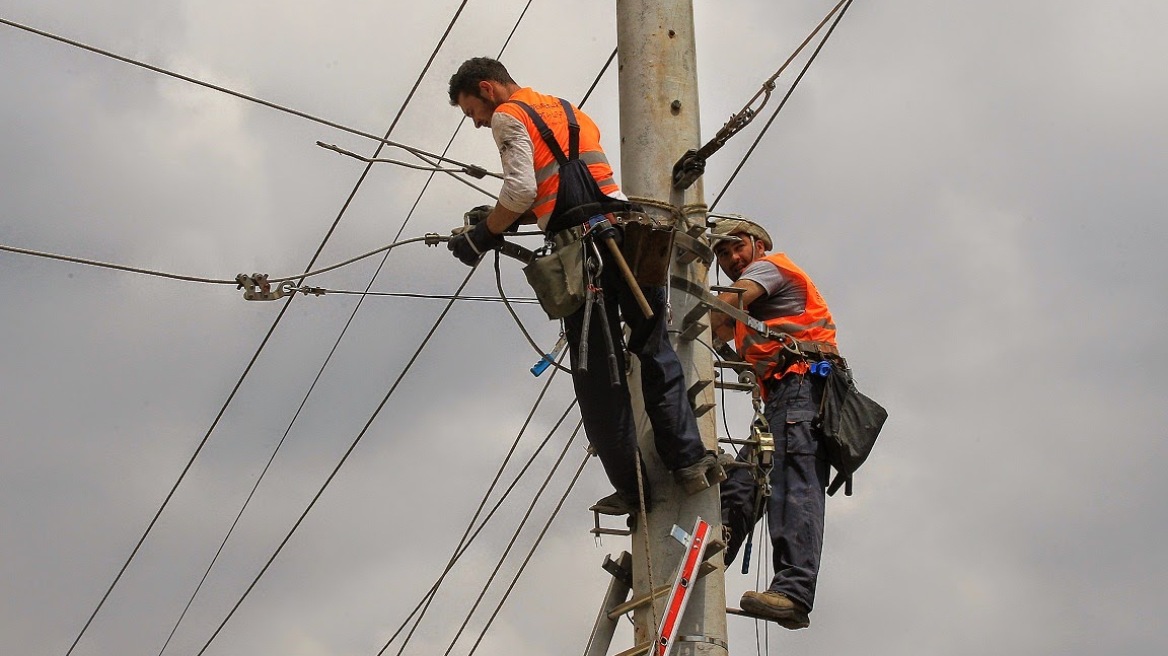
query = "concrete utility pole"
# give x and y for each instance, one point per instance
(658, 123)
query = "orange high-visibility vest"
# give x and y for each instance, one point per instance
(547, 170)
(814, 325)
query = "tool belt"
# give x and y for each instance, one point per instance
(558, 277)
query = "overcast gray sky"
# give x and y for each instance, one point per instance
(977, 188)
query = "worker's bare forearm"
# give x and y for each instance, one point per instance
(501, 218)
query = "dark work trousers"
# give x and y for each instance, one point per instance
(606, 410)
(798, 482)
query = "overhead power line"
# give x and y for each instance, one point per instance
(344, 459)
(530, 553)
(344, 330)
(465, 543)
(214, 281)
(373, 278)
(522, 300)
(515, 538)
(267, 336)
(472, 169)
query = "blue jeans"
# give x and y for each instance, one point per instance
(795, 509)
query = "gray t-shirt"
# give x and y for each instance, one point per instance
(782, 296)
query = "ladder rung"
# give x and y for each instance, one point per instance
(640, 649)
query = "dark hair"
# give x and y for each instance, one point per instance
(466, 79)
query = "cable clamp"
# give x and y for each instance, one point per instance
(433, 238)
(688, 169)
(257, 288)
(475, 171)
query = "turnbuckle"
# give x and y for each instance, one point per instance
(257, 288)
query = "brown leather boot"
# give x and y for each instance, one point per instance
(776, 606)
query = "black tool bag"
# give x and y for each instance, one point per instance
(850, 422)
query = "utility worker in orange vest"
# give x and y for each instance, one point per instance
(781, 295)
(556, 174)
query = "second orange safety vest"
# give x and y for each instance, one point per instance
(814, 325)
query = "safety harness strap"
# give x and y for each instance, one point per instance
(549, 137)
(573, 130)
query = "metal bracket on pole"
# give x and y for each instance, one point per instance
(693, 324)
(599, 530)
(621, 570)
(693, 392)
(690, 248)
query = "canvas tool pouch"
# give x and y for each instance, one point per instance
(647, 247)
(558, 278)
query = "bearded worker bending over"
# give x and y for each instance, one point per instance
(555, 170)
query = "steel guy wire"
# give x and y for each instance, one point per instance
(384, 141)
(267, 466)
(782, 103)
(538, 541)
(116, 267)
(512, 541)
(744, 116)
(398, 162)
(465, 543)
(344, 458)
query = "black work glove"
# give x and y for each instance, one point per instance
(469, 246)
(477, 215)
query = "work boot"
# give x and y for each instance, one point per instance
(700, 475)
(777, 607)
(617, 504)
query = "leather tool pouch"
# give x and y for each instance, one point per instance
(648, 247)
(558, 279)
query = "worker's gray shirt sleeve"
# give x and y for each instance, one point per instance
(516, 154)
(764, 273)
(782, 296)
